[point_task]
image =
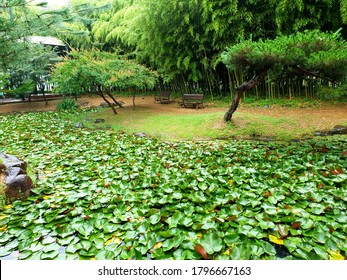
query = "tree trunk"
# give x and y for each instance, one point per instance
(114, 100)
(108, 102)
(240, 90)
(133, 99)
(45, 98)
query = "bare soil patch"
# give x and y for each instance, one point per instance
(321, 117)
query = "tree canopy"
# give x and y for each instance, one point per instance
(181, 40)
(100, 73)
(304, 55)
(19, 57)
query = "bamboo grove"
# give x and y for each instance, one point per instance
(183, 40)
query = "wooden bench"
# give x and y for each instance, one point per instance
(162, 97)
(42, 98)
(192, 100)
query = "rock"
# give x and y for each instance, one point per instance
(79, 125)
(338, 129)
(12, 161)
(16, 181)
(2, 168)
(104, 105)
(99, 121)
(19, 187)
(84, 104)
(320, 133)
(140, 134)
(12, 173)
(266, 106)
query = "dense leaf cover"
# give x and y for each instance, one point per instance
(306, 55)
(100, 72)
(108, 195)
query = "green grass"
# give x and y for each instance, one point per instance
(184, 127)
(206, 125)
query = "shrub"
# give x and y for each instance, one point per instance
(333, 93)
(67, 104)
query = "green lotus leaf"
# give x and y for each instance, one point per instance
(73, 248)
(306, 223)
(11, 245)
(85, 229)
(51, 247)
(268, 248)
(154, 219)
(169, 233)
(174, 242)
(257, 250)
(211, 242)
(25, 255)
(24, 244)
(181, 254)
(109, 228)
(5, 252)
(322, 253)
(266, 224)
(174, 219)
(48, 240)
(51, 255)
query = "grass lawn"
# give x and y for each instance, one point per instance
(170, 122)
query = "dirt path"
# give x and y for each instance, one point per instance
(320, 118)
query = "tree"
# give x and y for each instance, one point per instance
(307, 55)
(299, 15)
(100, 73)
(83, 14)
(19, 58)
(181, 39)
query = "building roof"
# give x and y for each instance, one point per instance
(46, 40)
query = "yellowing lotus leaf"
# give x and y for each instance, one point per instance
(275, 240)
(335, 255)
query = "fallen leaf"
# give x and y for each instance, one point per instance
(283, 231)
(275, 240)
(201, 251)
(227, 252)
(156, 246)
(335, 255)
(3, 217)
(296, 225)
(267, 194)
(113, 239)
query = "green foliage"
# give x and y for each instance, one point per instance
(23, 90)
(100, 72)
(333, 93)
(299, 15)
(4, 80)
(108, 195)
(67, 104)
(20, 58)
(309, 54)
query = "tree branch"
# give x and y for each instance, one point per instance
(302, 70)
